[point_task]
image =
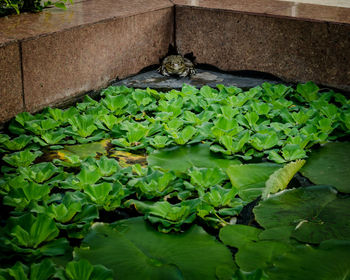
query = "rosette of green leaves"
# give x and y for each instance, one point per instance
(197, 119)
(22, 196)
(168, 110)
(82, 125)
(224, 200)
(155, 184)
(231, 145)
(22, 193)
(105, 195)
(135, 136)
(73, 212)
(40, 126)
(84, 270)
(225, 126)
(62, 116)
(182, 137)
(62, 209)
(32, 236)
(15, 144)
(115, 103)
(144, 100)
(203, 178)
(22, 158)
(39, 271)
(160, 141)
(219, 205)
(40, 172)
(51, 137)
(167, 216)
(46, 269)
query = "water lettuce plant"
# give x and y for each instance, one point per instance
(143, 184)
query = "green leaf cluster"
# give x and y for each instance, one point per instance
(177, 158)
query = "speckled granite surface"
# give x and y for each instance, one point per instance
(84, 13)
(11, 100)
(294, 50)
(68, 52)
(68, 63)
(286, 8)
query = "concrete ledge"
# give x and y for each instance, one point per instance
(11, 98)
(291, 48)
(75, 61)
(67, 53)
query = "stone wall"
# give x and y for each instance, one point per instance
(51, 57)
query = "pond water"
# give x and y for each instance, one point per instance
(195, 183)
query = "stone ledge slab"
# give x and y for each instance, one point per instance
(64, 53)
(276, 8)
(52, 20)
(68, 63)
(293, 50)
(11, 98)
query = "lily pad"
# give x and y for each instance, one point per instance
(250, 179)
(134, 250)
(330, 165)
(287, 259)
(252, 253)
(83, 150)
(314, 213)
(182, 158)
(331, 260)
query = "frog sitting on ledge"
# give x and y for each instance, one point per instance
(176, 65)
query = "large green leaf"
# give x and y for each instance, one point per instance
(252, 253)
(250, 179)
(279, 179)
(330, 165)
(283, 260)
(182, 158)
(236, 235)
(134, 250)
(331, 260)
(314, 214)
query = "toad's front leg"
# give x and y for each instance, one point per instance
(162, 70)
